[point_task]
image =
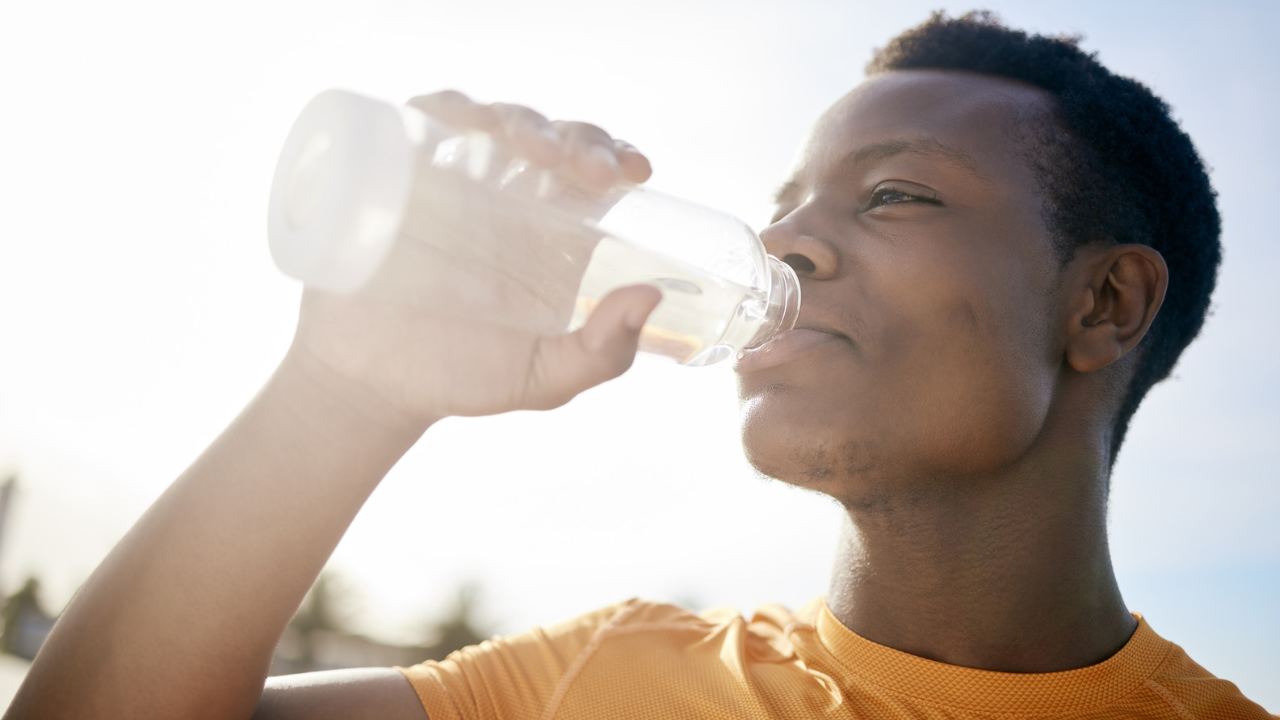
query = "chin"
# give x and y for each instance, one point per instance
(798, 444)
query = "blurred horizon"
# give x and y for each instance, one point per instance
(141, 309)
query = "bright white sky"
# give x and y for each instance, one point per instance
(139, 308)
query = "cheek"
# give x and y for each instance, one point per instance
(970, 374)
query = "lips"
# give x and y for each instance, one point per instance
(784, 348)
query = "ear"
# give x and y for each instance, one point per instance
(1120, 289)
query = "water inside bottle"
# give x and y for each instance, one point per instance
(697, 308)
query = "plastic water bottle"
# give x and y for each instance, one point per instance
(357, 175)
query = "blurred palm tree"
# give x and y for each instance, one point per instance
(26, 623)
(458, 627)
(317, 637)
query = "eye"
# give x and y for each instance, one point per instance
(890, 195)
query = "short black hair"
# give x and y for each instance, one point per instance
(1116, 169)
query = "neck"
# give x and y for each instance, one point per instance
(1006, 572)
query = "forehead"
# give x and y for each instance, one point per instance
(964, 117)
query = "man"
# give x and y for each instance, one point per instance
(1001, 246)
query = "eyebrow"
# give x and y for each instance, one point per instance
(925, 147)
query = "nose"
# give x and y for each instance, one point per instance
(810, 256)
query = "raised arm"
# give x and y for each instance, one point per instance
(182, 618)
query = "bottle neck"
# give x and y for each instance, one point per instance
(782, 305)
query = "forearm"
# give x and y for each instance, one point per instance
(183, 616)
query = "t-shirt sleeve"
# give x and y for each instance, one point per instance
(506, 678)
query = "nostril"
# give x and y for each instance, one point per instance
(801, 264)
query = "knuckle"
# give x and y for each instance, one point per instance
(584, 133)
(453, 96)
(518, 117)
(442, 98)
(518, 112)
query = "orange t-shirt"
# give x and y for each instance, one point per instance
(659, 662)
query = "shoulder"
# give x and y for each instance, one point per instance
(513, 676)
(552, 649)
(1159, 679)
(633, 654)
(1192, 691)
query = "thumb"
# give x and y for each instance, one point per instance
(602, 349)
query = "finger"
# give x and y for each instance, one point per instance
(528, 134)
(603, 349)
(590, 154)
(632, 163)
(457, 110)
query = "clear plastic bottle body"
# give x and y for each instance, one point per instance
(513, 243)
(692, 323)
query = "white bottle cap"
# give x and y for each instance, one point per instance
(339, 191)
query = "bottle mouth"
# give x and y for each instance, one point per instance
(783, 305)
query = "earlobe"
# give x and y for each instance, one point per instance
(1123, 289)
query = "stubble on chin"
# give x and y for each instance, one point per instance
(844, 469)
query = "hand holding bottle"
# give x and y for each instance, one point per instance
(400, 345)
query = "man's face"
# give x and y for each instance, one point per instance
(935, 280)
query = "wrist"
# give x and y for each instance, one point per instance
(326, 397)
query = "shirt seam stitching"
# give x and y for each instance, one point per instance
(1170, 698)
(579, 662)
